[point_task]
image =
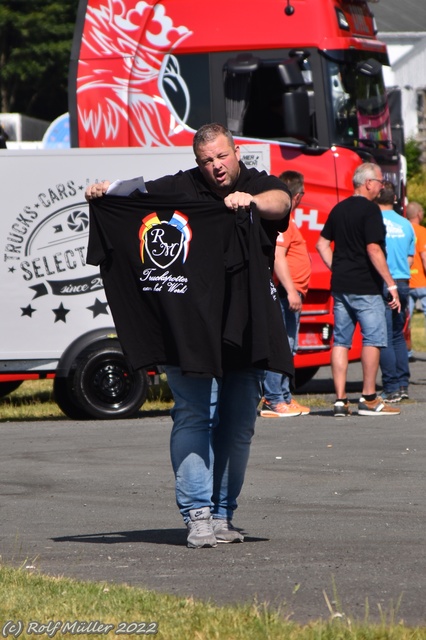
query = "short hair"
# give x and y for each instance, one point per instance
(414, 209)
(294, 181)
(387, 195)
(208, 133)
(364, 172)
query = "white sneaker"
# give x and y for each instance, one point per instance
(225, 531)
(200, 529)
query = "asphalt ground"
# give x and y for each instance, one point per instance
(332, 509)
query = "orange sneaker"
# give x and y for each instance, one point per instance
(280, 410)
(304, 411)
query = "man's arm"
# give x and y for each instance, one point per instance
(323, 246)
(271, 205)
(282, 272)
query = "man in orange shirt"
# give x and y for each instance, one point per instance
(292, 271)
(417, 291)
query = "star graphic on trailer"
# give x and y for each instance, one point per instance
(60, 313)
(27, 311)
(98, 308)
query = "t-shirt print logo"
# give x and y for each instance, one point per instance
(164, 241)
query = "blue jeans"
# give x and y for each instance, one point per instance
(213, 426)
(277, 385)
(368, 310)
(394, 358)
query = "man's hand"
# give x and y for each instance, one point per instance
(238, 199)
(294, 301)
(271, 205)
(96, 190)
(395, 302)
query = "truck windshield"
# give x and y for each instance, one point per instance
(360, 113)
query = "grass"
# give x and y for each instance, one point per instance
(418, 331)
(28, 596)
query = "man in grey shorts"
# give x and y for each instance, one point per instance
(359, 272)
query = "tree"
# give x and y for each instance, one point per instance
(35, 47)
(413, 155)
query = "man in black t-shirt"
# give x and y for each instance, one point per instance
(214, 417)
(358, 266)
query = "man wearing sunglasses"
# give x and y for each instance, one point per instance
(358, 274)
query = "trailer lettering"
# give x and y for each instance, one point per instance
(10, 248)
(22, 224)
(50, 265)
(49, 273)
(57, 194)
(25, 268)
(74, 286)
(18, 230)
(72, 189)
(15, 237)
(73, 289)
(82, 253)
(37, 268)
(33, 214)
(71, 264)
(58, 262)
(45, 201)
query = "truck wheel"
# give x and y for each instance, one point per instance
(8, 386)
(105, 388)
(303, 375)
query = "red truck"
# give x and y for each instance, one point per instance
(298, 82)
(300, 78)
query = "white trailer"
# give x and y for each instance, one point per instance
(54, 316)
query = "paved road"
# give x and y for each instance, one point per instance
(327, 504)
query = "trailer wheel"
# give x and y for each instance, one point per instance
(64, 398)
(105, 388)
(303, 375)
(8, 386)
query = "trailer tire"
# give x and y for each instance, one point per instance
(64, 398)
(303, 375)
(105, 388)
(8, 386)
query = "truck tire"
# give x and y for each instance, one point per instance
(303, 375)
(104, 387)
(8, 386)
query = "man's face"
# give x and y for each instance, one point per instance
(375, 185)
(218, 162)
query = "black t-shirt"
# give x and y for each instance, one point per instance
(352, 225)
(188, 284)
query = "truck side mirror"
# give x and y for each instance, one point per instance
(370, 67)
(296, 114)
